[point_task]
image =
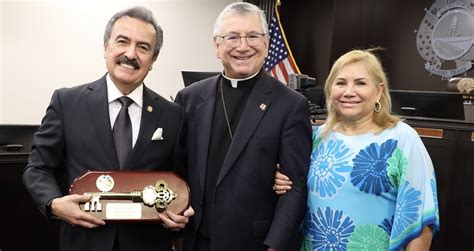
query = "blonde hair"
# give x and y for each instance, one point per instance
(384, 119)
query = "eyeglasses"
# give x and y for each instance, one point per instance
(234, 40)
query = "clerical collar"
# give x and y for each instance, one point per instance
(235, 82)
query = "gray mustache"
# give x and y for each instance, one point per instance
(133, 62)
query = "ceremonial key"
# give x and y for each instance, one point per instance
(159, 196)
(132, 196)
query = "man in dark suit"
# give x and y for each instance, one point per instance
(78, 133)
(239, 125)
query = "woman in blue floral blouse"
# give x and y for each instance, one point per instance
(371, 183)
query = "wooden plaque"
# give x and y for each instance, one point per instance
(124, 182)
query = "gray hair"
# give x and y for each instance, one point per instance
(241, 8)
(142, 14)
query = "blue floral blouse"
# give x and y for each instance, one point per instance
(369, 192)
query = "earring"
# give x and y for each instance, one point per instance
(331, 107)
(377, 106)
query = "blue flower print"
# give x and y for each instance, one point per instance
(406, 210)
(369, 173)
(387, 225)
(434, 190)
(328, 230)
(329, 163)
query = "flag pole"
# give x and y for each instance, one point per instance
(278, 4)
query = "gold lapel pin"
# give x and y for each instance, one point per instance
(149, 108)
(263, 107)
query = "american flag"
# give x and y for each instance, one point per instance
(279, 62)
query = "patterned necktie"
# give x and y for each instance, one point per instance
(123, 132)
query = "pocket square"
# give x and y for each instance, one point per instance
(158, 134)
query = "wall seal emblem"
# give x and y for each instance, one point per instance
(445, 38)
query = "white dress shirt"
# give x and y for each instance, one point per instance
(134, 110)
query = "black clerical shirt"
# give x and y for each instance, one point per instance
(235, 100)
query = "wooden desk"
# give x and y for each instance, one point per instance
(451, 147)
(21, 218)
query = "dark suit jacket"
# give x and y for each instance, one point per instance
(75, 136)
(247, 214)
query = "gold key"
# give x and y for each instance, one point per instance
(159, 196)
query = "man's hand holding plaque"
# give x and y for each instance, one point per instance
(67, 208)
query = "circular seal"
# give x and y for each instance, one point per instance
(105, 183)
(453, 34)
(445, 37)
